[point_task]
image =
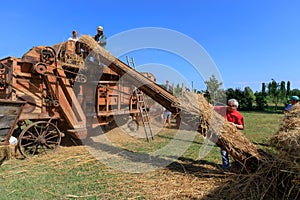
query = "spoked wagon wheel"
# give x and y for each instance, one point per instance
(39, 138)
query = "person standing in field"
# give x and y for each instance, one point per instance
(293, 101)
(167, 117)
(236, 119)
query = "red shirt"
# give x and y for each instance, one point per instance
(235, 117)
(221, 110)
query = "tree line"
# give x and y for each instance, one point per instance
(272, 96)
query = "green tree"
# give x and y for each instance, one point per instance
(295, 92)
(249, 98)
(274, 92)
(177, 90)
(240, 97)
(263, 88)
(245, 98)
(230, 93)
(216, 94)
(261, 100)
(282, 92)
(288, 88)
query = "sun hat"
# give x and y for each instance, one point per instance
(296, 98)
(100, 28)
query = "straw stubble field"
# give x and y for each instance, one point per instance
(73, 173)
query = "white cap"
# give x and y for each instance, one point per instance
(100, 28)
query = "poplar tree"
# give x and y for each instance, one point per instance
(216, 94)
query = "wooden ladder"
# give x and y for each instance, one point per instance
(142, 106)
(144, 113)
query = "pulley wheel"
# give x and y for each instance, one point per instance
(40, 68)
(55, 103)
(48, 55)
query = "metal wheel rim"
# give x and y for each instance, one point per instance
(39, 138)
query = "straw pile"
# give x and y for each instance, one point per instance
(287, 142)
(287, 139)
(4, 153)
(89, 41)
(7, 152)
(196, 110)
(95, 50)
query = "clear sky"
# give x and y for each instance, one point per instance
(250, 42)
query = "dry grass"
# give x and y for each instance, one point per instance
(180, 180)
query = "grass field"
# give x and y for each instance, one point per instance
(73, 173)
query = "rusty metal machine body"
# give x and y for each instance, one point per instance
(50, 104)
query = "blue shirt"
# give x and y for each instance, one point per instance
(101, 39)
(288, 107)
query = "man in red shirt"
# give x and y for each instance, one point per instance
(236, 118)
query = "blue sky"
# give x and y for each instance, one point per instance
(250, 42)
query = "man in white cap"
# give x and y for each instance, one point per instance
(100, 37)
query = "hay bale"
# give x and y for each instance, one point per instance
(89, 41)
(287, 138)
(7, 152)
(4, 152)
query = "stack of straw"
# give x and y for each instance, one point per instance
(287, 139)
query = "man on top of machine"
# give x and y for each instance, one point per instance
(100, 37)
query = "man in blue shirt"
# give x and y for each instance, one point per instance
(100, 37)
(293, 100)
